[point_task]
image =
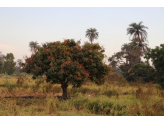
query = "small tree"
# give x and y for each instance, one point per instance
(19, 61)
(68, 62)
(2, 57)
(9, 64)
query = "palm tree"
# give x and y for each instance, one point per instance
(139, 35)
(92, 34)
(33, 46)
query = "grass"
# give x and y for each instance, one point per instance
(22, 96)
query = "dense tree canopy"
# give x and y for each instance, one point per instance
(157, 56)
(141, 70)
(127, 58)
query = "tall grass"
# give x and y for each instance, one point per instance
(22, 96)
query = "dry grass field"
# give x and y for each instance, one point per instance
(22, 96)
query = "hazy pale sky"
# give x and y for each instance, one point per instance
(19, 26)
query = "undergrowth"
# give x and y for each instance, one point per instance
(22, 96)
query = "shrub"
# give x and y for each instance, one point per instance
(112, 76)
(20, 82)
(141, 71)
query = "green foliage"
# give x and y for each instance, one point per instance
(68, 62)
(105, 107)
(92, 34)
(9, 64)
(124, 68)
(1, 66)
(157, 56)
(20, 74)
(141, 70)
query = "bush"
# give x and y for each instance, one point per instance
(141, 71)
(105, 108)
(113, 76)
(20, 82)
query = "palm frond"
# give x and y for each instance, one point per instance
(92, 34)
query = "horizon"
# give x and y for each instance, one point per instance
(19, 26)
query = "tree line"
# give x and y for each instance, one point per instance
(127, 62)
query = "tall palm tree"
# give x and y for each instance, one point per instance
(33, 46)
(139, 35)
(92, 34)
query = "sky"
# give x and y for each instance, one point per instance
(21, 25)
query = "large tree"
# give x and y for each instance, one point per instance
(92, 34)
(68, 62)
(139, 34)
(157, 56)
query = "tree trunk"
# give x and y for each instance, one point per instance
(64, 88)
(139, 49)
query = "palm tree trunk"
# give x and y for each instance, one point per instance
(139, 49)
